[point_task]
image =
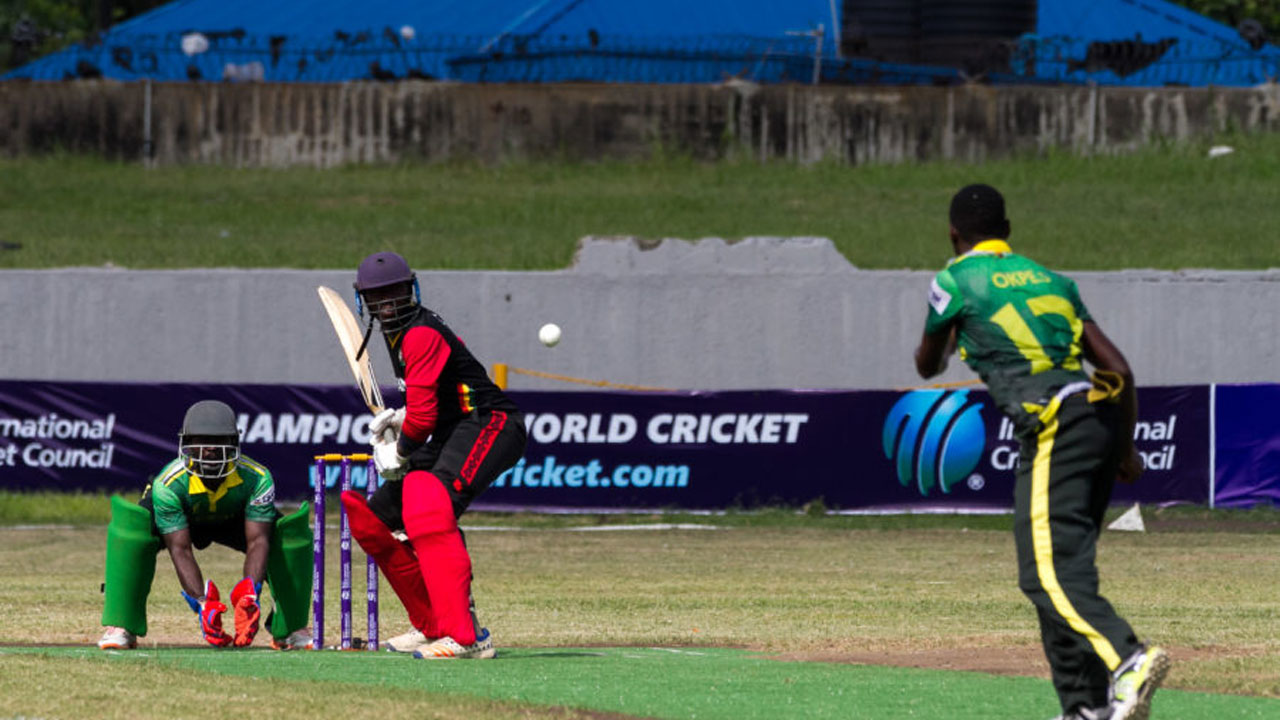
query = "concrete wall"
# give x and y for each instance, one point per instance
(328, 125)
(761, 313)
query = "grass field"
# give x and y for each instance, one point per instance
(754, 614)
(1166, 207)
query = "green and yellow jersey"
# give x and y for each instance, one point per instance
(181, 498)
(1017, 323)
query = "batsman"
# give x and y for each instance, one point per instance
(209, 493)
(1026, 332)
(455, 434)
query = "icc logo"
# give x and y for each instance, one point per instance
(934, 438)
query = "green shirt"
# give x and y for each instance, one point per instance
(181, 499)
(1018, 325)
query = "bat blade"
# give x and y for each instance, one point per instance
(349, 335)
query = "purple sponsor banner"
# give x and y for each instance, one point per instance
(941, 449)
(1248, 446)
(1173, 438)
(116, 436)
(710, 450)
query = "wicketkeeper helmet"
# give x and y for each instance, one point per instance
(209, 441)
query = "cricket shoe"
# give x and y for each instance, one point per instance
(446, 648)
(296, 640)
(409, 641)
(1136, 681)
(1084, 713)
(117, 638)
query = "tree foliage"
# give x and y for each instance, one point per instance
(1234, 12)
(31, 28)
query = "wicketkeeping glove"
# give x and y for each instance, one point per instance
(210, 611)
(244, 600)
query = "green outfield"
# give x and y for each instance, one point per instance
(736, 616)
(1166, 207)
(711, 683)
(739, 615)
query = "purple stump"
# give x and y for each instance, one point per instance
(317, 558)
(344, 543)
(371, 576)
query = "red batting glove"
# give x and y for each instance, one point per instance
(244, 598)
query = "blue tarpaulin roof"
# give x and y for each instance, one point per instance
(327, 40)
(1110, 42)
(652, 18)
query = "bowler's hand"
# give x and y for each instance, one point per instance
(1130, 467)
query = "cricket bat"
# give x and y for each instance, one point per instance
(349, 335)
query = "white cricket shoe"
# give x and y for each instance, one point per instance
(408, 642)
(446, 648)
(117, 638)
(297, 640)
(1136, 680)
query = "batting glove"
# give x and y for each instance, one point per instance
(210, 610)
(244, 600)
(388, 460)
(386, 424)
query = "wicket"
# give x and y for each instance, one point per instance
(344, 535)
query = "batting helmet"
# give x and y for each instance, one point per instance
(387, 288)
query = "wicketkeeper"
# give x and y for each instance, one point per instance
(209, 493)
(456, 433)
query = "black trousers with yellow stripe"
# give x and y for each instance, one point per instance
(1066, 472)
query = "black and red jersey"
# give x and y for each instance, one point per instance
(443, 382)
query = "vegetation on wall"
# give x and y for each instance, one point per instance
(1235, 12)
(32, 28)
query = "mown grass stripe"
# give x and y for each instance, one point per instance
(679, 683)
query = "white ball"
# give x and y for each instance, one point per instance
(407, 32)
(549, 334)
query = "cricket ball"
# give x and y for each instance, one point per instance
(549, 334)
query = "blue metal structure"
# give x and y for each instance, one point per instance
(478, 40)
(1109, 42)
